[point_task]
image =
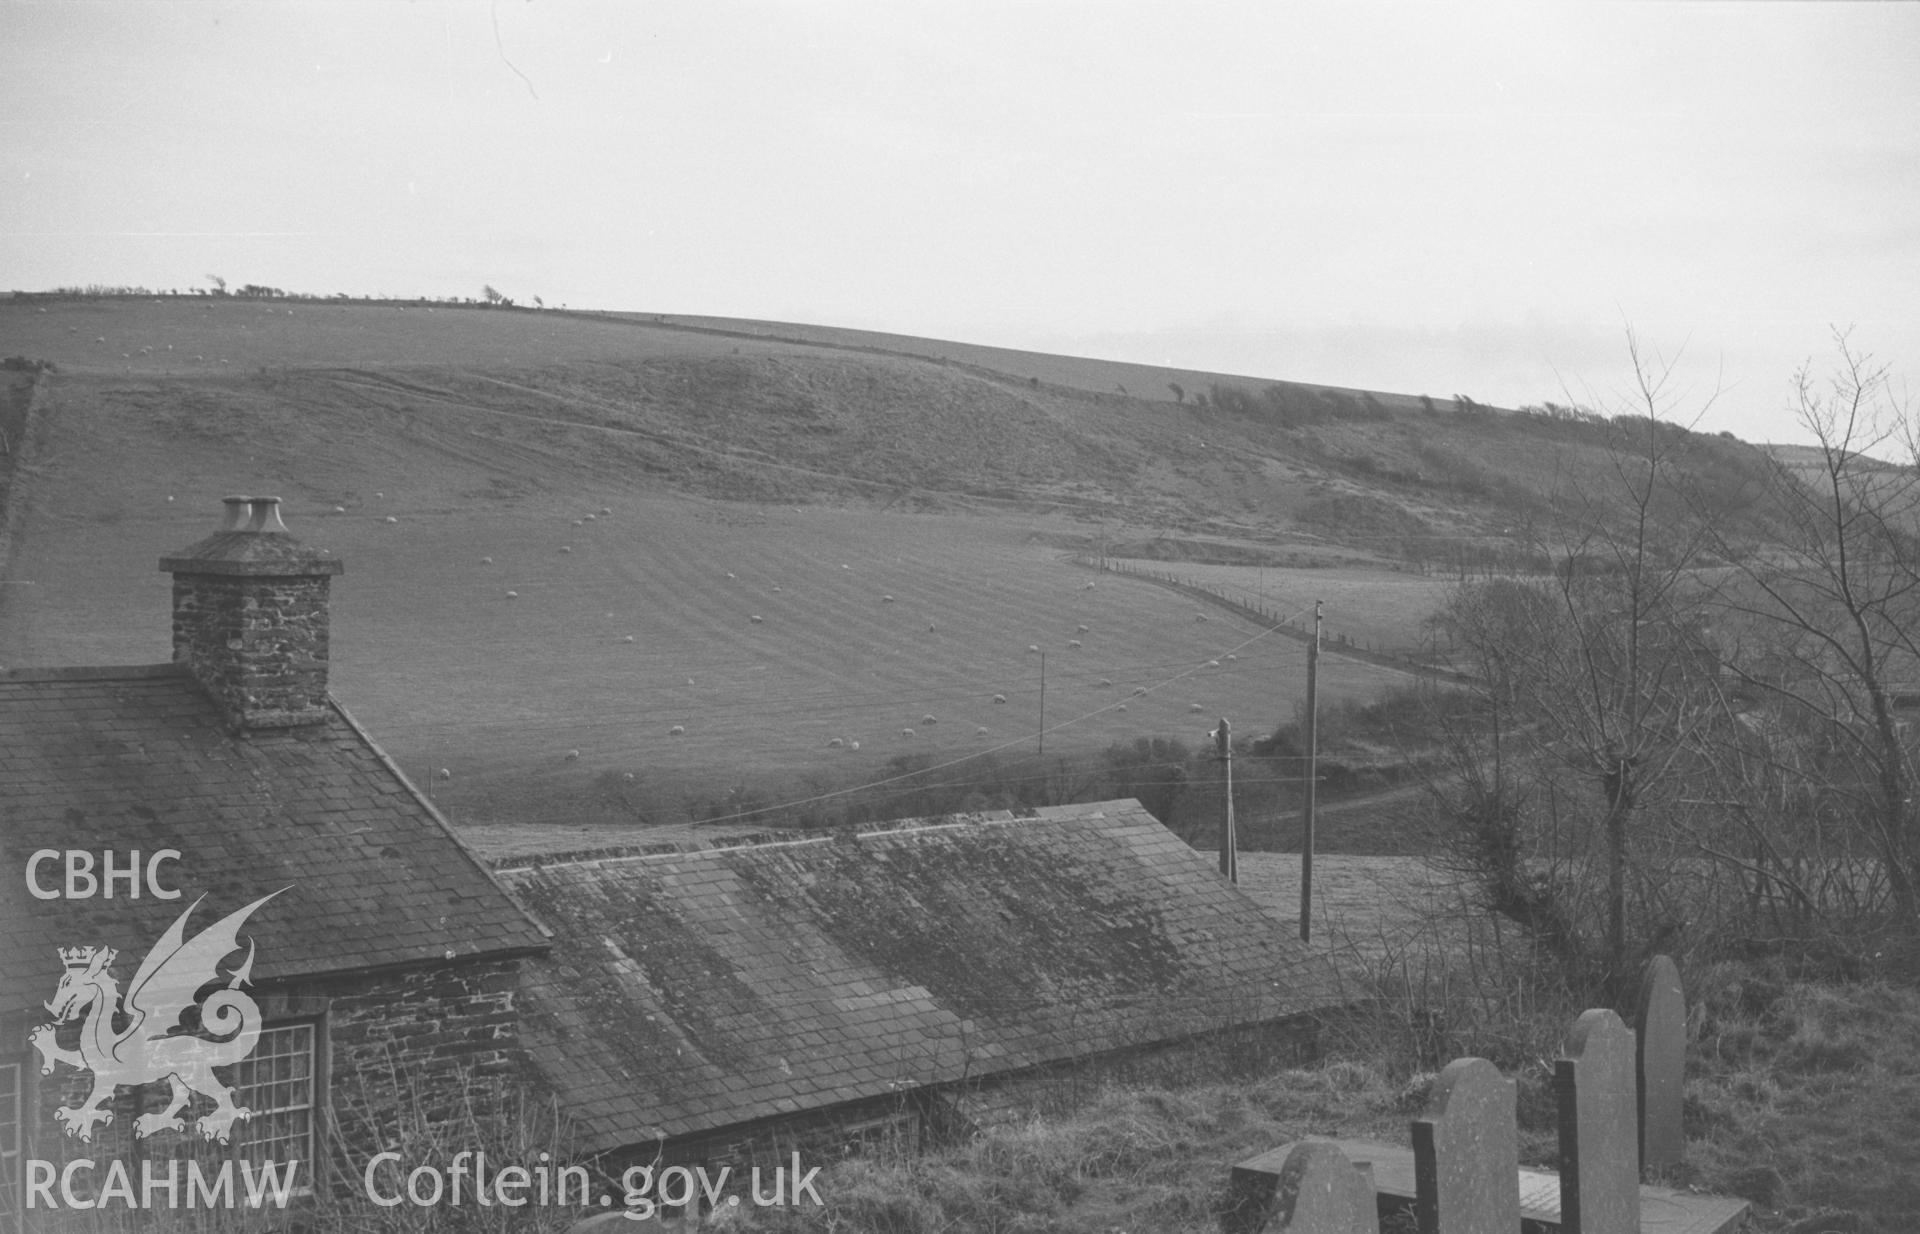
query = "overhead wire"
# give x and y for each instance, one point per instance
(830, 704)
(1020, 741)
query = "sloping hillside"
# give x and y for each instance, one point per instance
(804, 546)
(765, 411)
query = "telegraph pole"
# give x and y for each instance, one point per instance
(1229, 841)
(1043, 704)
(1313, 777)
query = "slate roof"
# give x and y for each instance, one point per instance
(695, 990)
(139, 759)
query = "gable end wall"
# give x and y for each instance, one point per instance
(440, 1043)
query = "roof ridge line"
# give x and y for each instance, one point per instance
(668, 849)
(432, 811)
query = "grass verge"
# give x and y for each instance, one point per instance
(1803, 1097)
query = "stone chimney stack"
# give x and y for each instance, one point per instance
(250, 618)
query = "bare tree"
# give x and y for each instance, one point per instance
(1594, 680)
(1831, 609)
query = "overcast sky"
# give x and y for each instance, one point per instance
(1421, 198)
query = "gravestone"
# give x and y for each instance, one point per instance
(1599, 1127)
(1321, 1192)
(1466, 1153)
(1662, 1030)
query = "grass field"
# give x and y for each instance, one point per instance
(415, 442)
(523, 681)
(451, 673)
(203, 335)
(1378, 608)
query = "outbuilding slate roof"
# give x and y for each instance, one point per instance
(691, 991)
(127, 759)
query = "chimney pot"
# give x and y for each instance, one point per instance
(236, 512)
(266, 515)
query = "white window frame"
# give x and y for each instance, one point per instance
(12, 1118)
(258, 1096)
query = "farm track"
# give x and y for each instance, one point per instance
(492, 452)
(893, 490)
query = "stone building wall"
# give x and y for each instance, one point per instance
(420, 1059)
(258, 645)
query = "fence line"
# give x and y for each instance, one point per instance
(1293, 627)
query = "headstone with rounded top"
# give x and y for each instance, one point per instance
(1662, 1030)
(1599, 1107)
(1466, 1153)
(1322, 1192)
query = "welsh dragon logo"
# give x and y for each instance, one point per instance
(151, 1046)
